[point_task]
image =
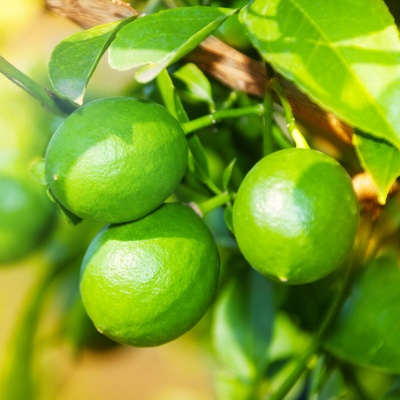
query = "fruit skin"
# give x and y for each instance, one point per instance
(147, 282)
(26, 214)
(116, 159)
(296, 215)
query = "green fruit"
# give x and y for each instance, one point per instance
(296, 215)
(146, 282)
(116, 159)
(26, 214)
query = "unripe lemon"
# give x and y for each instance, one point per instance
(116, 159)
(296, 215)
(26, 214)
(146, 282)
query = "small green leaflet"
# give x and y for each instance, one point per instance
(74, 59)
(242, 325)
(367, 329)
(197, 163)
(381, 160)
(345, 55)
(157, 40)
(197, 86)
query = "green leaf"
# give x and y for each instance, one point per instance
(343, 54)
(394, 392)
(170, 97)
(228, 174)
(228, 387)
(242, 325)
(381, 160)
(326, 384)
(367, 329)
(197, 86)
(198, 163)
(157, 40)
(228, 218)
(74, 59)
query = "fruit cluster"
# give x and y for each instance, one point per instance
(152, 272)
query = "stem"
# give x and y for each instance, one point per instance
(19, 383)
(211, 119)
(356, 257)
(216, 201)
(48, 99)
(268, 123)
(280, 138)
(290, 121)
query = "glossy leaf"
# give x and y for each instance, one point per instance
(197, 86)
(74, 59)
(367, 330)
(344, 54)
(157, 40)
(371, 153)
(242, 325)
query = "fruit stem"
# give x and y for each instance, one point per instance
(280, 138)
(47, 98)
(293, 129)
(212, 203)
(18, 377)
(211, 119)
(356, 257)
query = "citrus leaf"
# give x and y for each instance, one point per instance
(371, 153)
(326, 384)
(394, 392)
(344, 55)
(242, 325)
(74, 59)
(157, 40)
(197, 86)
(170, 97)
(228, 218)
(197, 162)
(367, 329)
(228, 174)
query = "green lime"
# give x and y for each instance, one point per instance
(296, 215)
(116, 159)
(26, 214)
(146, 282)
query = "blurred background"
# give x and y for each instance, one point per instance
(48, 347)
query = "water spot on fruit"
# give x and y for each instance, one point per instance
(55, 177)
(283, 279)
